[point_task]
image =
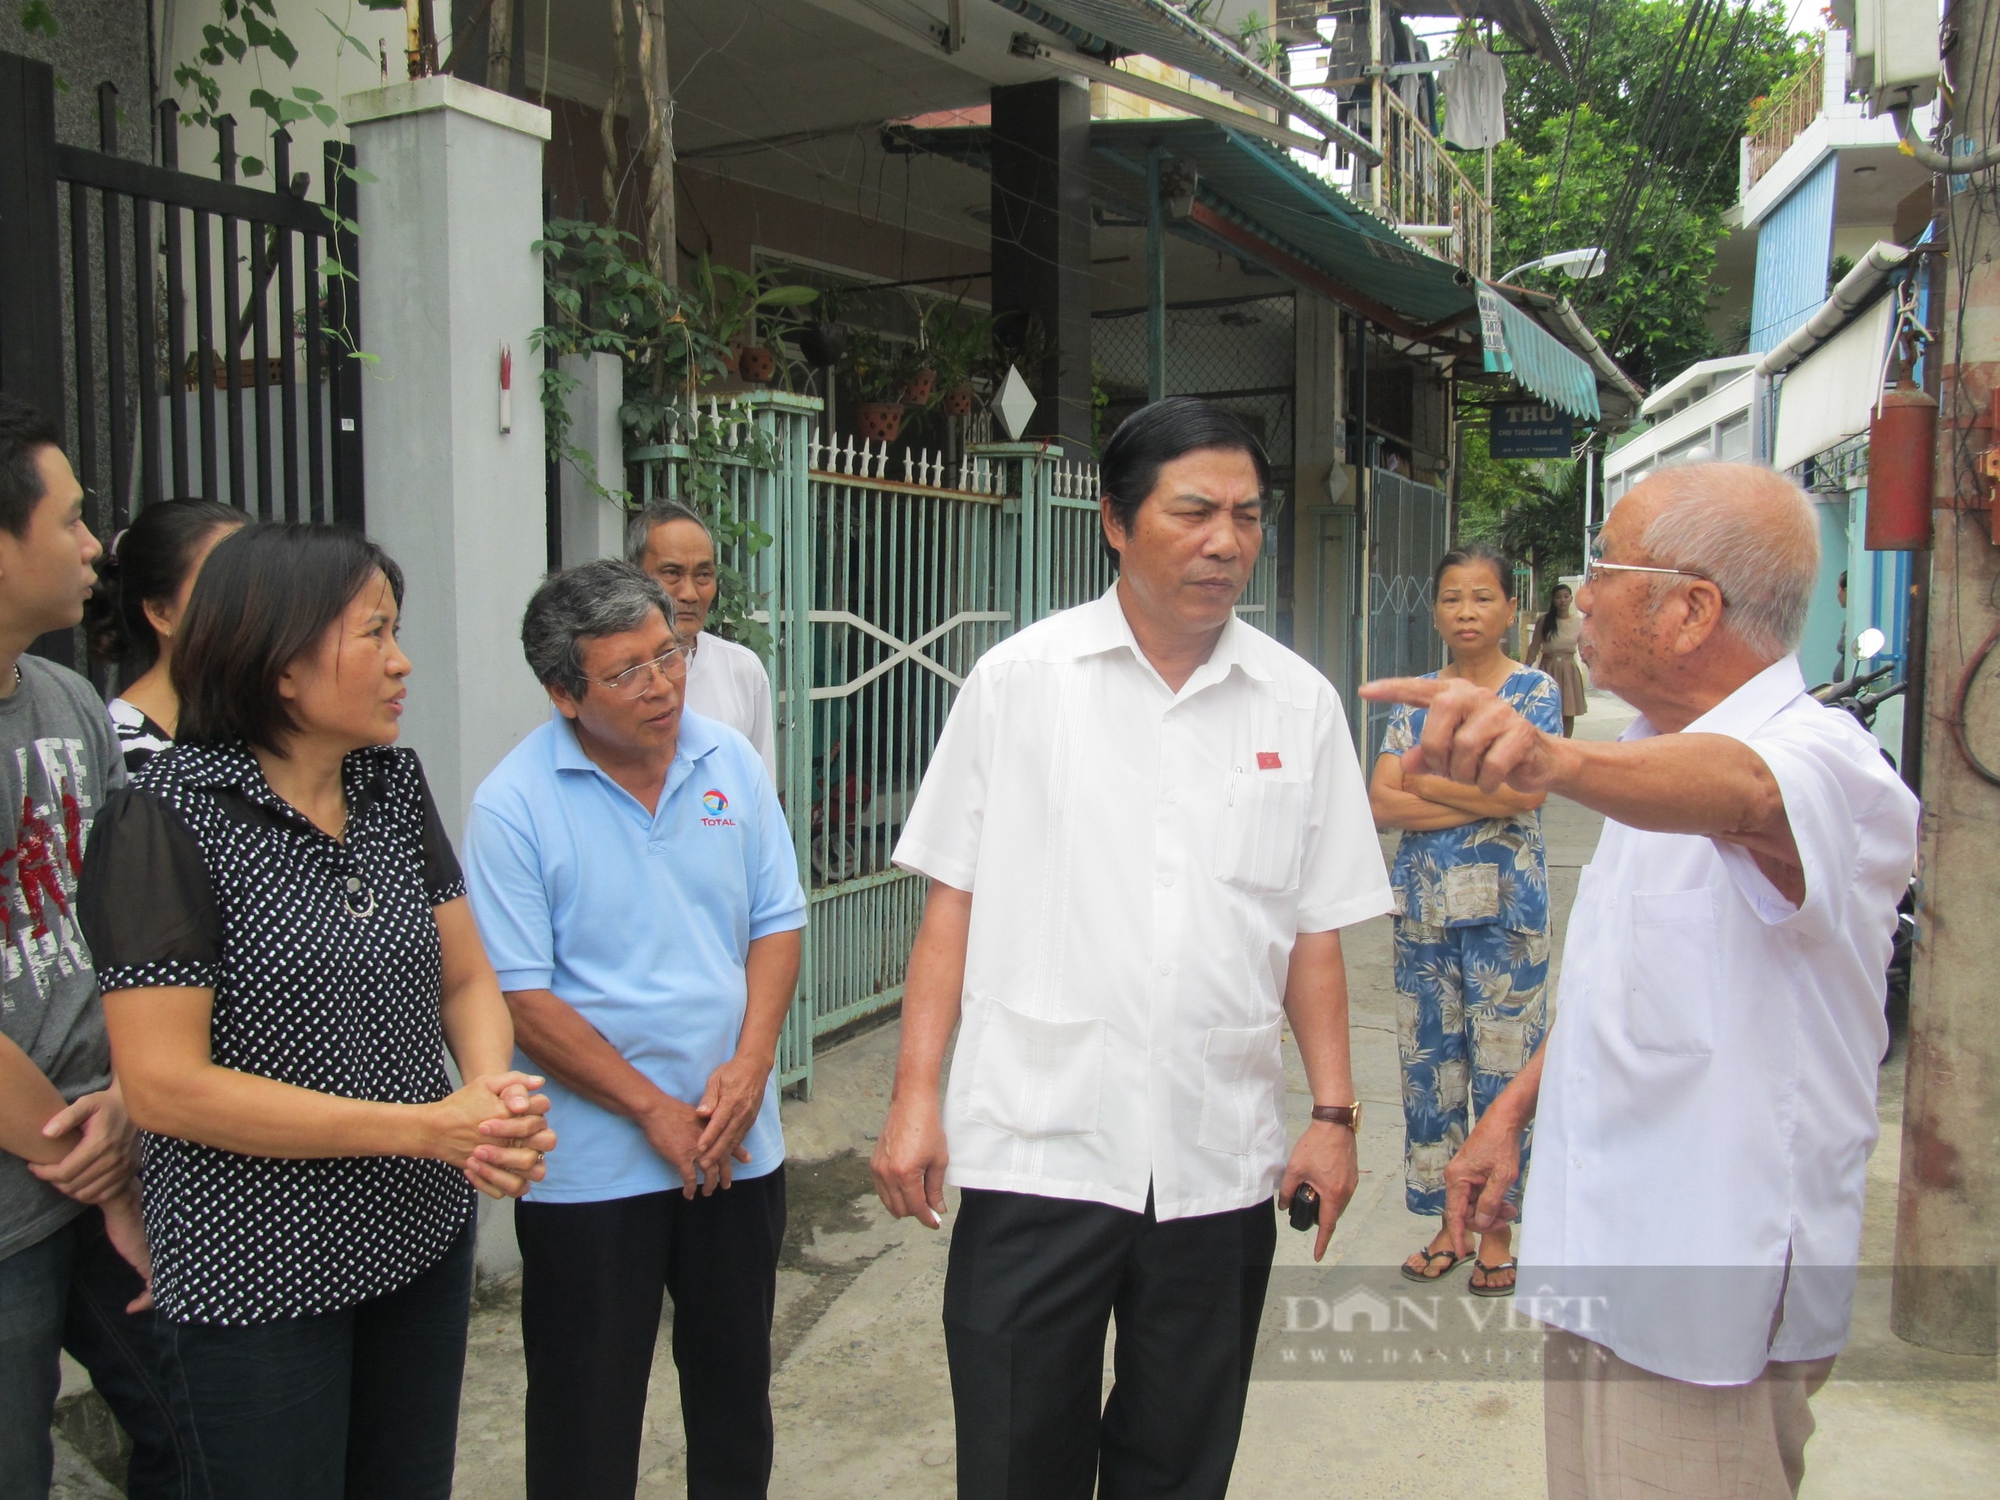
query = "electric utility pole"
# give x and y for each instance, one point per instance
(1948, 1207)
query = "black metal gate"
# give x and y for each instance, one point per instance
(213, 340)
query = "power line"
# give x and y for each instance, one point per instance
(1576, 99)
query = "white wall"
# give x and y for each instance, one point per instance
(326, 64)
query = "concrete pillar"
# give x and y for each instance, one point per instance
(1041, 240)
(1156, 281)
(593, 526)
(1319, 449)
(449, 279)
(1948, 1206)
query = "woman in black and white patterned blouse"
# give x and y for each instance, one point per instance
(286, 951)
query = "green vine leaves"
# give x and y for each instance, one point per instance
(248, 31)
(670, 340)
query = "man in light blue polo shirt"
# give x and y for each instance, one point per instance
(637, 890)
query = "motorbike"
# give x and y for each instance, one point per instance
(1856, 696)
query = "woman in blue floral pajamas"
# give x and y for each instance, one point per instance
(1472, 923)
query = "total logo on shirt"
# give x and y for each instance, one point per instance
(718, 808)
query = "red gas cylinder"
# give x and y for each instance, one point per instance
(1902, 458)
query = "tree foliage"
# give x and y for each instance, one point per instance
(1532, 509)
(1639, 158)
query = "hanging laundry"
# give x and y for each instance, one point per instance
(1475, 91)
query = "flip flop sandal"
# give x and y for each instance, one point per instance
(1451, 1259)
(1490, 1290)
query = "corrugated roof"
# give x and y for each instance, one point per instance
(1163, 31)
(1526, 21)
(1253, 199)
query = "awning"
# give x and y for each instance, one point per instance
(1255, 200)
(1829, 395)
(1108, 28)
(1515, 344)
(1262, 191)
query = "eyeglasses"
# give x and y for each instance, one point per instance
(1595, 564)
(634, 681)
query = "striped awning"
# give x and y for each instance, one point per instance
(1515, 344)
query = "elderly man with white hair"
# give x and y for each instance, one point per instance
(1704, 1105)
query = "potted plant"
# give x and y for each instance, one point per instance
(724, 303)
(822, 340)
(960, 344)
(882, 372)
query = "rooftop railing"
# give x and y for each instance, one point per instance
(1793, 106)
(1421, 190)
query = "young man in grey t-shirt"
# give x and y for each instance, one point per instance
(72, 1251)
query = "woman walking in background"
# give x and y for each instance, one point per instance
(1472, 915)
(1553, 649)
(144, 579)
(286, 951)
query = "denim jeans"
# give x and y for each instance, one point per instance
(358, 1403)
(69, 1291)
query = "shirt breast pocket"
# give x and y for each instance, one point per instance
(1673, 973)
(1262, 840)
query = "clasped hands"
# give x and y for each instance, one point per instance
(496, 1131)
(704, 1141)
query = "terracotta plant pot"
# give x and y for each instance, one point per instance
(918, 391)
(881, 420)
(757, 364)
(959, 401)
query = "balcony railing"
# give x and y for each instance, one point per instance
(1420, 188)
(1794, 105)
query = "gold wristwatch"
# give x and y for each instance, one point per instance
(1340, 1114)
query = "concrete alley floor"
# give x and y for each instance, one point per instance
(863, 1401)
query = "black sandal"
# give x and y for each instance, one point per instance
(1495, 1291)
(1452, 1260)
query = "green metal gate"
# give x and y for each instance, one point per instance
(886, 577)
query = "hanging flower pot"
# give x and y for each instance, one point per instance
(959, 401)
(822, 344)
(757, 364)
(918, 391)
(881, 421)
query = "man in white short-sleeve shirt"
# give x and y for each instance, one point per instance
(726, 681)
(1144, 826)
(1704, 1106)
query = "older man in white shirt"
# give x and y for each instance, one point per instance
(726, 681)
(1704, 1106)
(1144, 828)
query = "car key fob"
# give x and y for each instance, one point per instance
(1305, 1207)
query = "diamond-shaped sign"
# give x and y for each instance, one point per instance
(1013, 404)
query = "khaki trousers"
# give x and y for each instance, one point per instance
(1616, 1432)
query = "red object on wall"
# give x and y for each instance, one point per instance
(1902, 458)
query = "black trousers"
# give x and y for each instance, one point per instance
(592, 1275)
(68, 1291)
(358, 1404)
(1032, 1285)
